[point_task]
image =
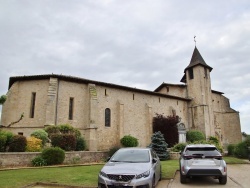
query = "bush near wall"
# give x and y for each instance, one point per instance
(80, 144)
(129, 141)
(53, 155)
(52, 129)
(168, 127)
(193, 136)
(240, 150)
(18, 143)
(65, 141)
(179, 147)
(33, 144)
(5, 138)
(42, 135)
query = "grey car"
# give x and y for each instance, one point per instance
(202, 160)
(131, 167)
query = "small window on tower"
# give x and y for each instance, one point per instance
(191, 74)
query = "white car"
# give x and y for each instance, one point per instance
(131, 167)
(202, 160)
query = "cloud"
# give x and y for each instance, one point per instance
(133, 43)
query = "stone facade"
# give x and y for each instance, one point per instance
(130, 110)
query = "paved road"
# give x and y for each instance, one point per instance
(238, 176)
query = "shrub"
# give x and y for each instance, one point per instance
(66, 129)
(193, 136)
(65, 141)
(241, 150)
(53, 155)
(159, 145)
(18, 143)
(77, 133)
(80, 144)
(129, 141)
(213, 140)
(3, 140)
(33, 144)
(8, 136)
(168, 127)
(179, 147)
(52, 129)
(230, 149)
(38, 161)
(42, 135)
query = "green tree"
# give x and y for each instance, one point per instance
(159, 145)
(3, 99)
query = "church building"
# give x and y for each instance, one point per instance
(105, 112)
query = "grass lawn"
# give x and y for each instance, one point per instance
(77, 175)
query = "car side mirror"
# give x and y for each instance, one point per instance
(154, 160)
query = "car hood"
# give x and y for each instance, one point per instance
(125, 168)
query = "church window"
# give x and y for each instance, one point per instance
(32, 106)
(71, 107)
(167, 89)
(191, 73)
(105, 92)
(159, 99)
(20, 133)
(133, 96)
(107, 117)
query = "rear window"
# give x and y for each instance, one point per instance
(211, 151)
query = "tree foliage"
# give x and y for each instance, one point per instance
(159, 145)
(18, 143)
(193, 136)
(3, 99)
(168, 127)
(129, 141)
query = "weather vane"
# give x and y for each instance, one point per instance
(194, 40)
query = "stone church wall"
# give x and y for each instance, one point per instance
(132, 113)
(20, 102)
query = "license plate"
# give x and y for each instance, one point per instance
(118, 185)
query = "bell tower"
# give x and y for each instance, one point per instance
(197, 78)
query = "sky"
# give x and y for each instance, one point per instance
(135, 43)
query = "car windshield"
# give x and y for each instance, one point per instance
(207, 151)
(132, 156)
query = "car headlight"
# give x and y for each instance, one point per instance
(103, 174)
(143, 175)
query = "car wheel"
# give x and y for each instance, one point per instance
(223, 180)
(183, 178)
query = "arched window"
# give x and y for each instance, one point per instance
(107, 117)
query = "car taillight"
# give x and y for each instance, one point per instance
(225, 169)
